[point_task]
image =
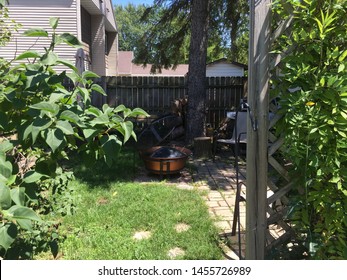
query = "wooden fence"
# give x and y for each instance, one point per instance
(156, 94)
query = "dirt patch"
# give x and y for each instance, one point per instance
(102, 201)
(175, 252)
(140, 235)
(182, 227)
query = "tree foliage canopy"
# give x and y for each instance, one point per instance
(161, 35)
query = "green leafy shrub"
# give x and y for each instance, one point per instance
(313, 91)
(41, 122)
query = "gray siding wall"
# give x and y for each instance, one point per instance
(224, 70)
(36, 14)
(98, 45)
(112, 54)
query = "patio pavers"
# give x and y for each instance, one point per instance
(219, 179)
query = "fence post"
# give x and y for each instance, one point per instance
(257, 161)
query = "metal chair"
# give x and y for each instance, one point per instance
(158, 131)
(239, 135)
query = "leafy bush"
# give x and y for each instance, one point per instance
(313, 91)
(40, 123)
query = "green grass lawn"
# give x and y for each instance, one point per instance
(112, 208)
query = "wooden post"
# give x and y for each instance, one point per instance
(202, 147)
(257, 162)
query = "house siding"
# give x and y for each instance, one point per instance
(31, 14)
(112, 54)
(224, 70)
(98, 46)
(36, 14)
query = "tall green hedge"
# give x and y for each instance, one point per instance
(312, 87)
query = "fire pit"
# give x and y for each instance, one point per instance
(165, 160)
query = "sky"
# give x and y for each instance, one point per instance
(135, 2)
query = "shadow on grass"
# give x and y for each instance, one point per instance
(100, 175)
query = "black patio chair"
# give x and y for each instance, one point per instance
(239, 135)
(158, 131)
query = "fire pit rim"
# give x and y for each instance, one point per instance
(147, 152)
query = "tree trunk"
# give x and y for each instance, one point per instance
(196, 109)
(234, 21)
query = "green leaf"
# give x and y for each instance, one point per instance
(27, 131)
(36, 32)
(8, 233)
(70, 40)
(320, 25)
(84, 92)
(54, 138)
(18, 195)
(138, 112)
(65, 126)
(128, 129)
(49, 58)
(32, 177)
(25, 224)
(102, 119)
(322, 82)
(38, 125)
(28, 54)
(93, 111)
(5, 197)
(341, 68)
(46, 166)
(334, 179)
(133, 134)
(127, 112)
(58, 96)
(46, 106)
(67, 64)
(69, 116)
(22, 212)
(117, 118)
(53, 22)
(3, 3)
(343, 56)
(11, 180)
(89, 74)
(313, 130)
(5, 146)
(3, 119)
(119, 108)
(99, 89)
(107, 109)
(111, 146)
(342, 133)
(5, 168)
(90, 133)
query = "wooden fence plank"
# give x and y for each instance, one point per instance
(155, 94)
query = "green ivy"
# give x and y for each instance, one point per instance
(313, 89)
(41, 122)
